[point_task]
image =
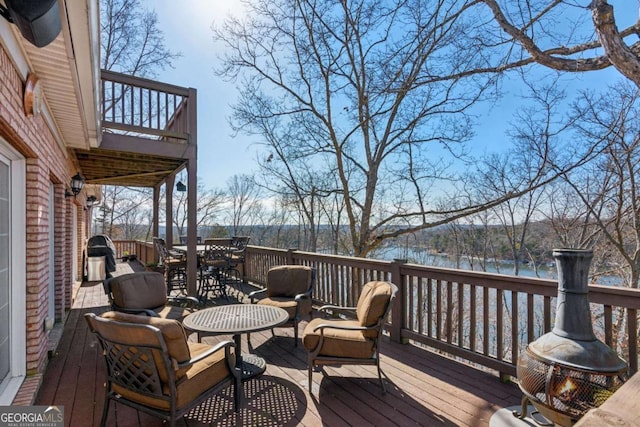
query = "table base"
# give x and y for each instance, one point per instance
(252, 366)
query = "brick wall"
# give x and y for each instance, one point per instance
(46, 163)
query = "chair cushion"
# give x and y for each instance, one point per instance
(288, 304)
(200, 376)
(337, 342)
(288, 280)
(172, 312)
(194, 380)
(372, 304)
(139, 290)
(172, 331)
(175, 263)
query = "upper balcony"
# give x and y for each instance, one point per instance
(148, 132)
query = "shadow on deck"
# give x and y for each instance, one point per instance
(423, 387)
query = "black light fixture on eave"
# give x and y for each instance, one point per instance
(181, 187)
(92, 201)
(77, 182)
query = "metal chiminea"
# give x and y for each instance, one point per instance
(568, 371)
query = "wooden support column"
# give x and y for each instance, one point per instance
(168, 236)
(192, 195)
(155, 227)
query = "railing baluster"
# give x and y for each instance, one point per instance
(514, 326)
(113, 101)
(530, 318)
(461, 316)
(149, 109)
(632, 333)
(430, 307)
(547, 314)
(499, 324)
(485, 321)
(439, 309)
(472, 317)
(140, 106)
(608, 325)
(449, 318)
(159, 110)
(419, 281)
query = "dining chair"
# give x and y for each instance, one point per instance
(289, 287)
(145, 293)
(175, 266)
(238, 250)
(354, 340)
(215, 267)
(152, 367)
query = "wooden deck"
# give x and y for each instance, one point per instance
(423, 388)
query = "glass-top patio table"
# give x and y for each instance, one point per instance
(237, 319)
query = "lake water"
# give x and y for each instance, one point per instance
(424, 257)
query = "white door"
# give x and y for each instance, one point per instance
(51, 316)
(12, 272)
(5, 257)
(74, 244)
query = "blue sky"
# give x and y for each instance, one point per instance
(187, 29)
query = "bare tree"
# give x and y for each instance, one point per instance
(565, 36)
(209, 208)
(608, 188)
(243, 199)
(122, 211)
(131, 43)
(367, 91)
(131, 40)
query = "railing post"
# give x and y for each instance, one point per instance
(290, 252)
(399, 306)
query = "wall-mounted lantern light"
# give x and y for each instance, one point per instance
(92, 201)
(76, 186)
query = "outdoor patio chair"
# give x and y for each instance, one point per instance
(239, 248)
(289, 287)
(145, 293)
(350, 342)
(174, 264)
(216, 268)
(150, 365)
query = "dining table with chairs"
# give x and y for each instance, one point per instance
(219, 260)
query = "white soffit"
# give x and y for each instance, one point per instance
(69, 75)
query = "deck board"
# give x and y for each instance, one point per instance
(423, 388)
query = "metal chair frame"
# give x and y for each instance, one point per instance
(308, 294)
(315, 359)
(134, 367)
(215, 268)
(175, 266)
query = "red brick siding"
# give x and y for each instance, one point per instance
(46, 163)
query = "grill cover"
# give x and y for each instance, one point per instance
(101, 245)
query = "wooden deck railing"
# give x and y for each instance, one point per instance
(144, 107)
(144, 251)
(483, 318)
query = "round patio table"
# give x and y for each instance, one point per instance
(237, 319)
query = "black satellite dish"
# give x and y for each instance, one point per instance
(37, 20)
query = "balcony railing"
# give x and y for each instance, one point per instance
(144, 107)
(486, 319)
